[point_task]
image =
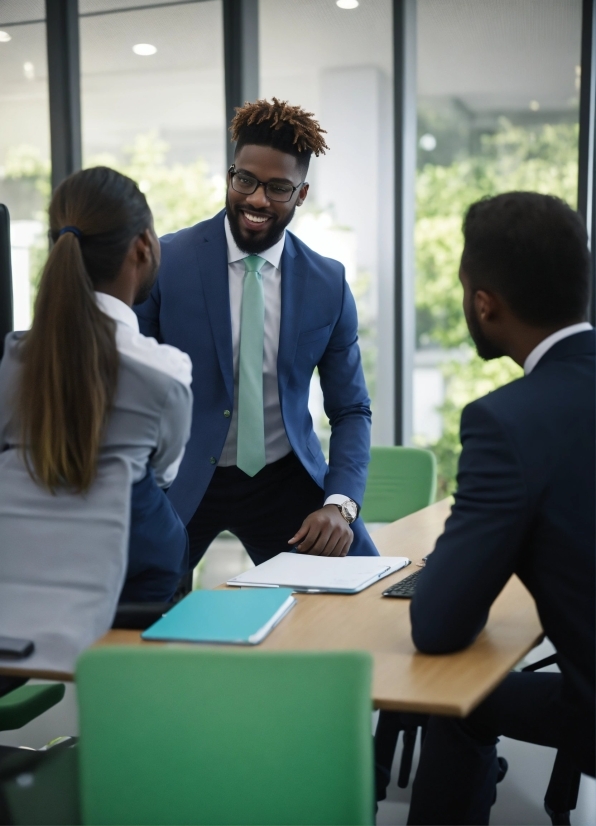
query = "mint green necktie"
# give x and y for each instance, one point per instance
(251, 417)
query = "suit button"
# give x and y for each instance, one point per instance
(213, 460)
(227, 414)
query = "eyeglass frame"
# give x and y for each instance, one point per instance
(232, 171)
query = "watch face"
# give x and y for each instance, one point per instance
(349, 511)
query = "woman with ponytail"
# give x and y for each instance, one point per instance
(83, 385)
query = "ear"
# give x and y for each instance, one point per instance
(302, 194)
(487, 305)
(142, 247)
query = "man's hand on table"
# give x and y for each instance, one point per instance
(324, 533)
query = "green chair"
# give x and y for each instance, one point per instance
(23, 704)
(40, 788)
(401, 480)
(203, 736)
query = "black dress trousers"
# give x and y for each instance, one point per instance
(263, 511)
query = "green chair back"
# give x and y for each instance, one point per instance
(190, 736)
(401, 480)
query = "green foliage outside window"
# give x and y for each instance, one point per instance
(179, 194)
(543, 159)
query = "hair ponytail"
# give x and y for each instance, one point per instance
(69, 356)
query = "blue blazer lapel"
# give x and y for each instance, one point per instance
(293, 292)
(211, 249)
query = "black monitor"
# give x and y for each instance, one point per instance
(6, 320)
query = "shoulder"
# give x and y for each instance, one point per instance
(545, 405)
(501, 399)
(326, 266)
(183, 238)
(166, 360)
(512, 406)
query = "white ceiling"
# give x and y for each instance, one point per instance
(492, 55)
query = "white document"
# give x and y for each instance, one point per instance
(314, 574)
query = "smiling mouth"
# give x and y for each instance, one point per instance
(254, 219)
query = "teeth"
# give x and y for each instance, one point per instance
(256, 219)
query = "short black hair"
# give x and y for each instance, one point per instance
(533, 250)
(262, 135)
(281, 126)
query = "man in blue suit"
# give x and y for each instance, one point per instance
(525, 502)
(257, 311)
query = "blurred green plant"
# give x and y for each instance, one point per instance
(179, 195)
(25, 176)
(542, 159)
(25, 165)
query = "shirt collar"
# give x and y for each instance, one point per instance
(118, 310)
(272, 255)
(545, 345)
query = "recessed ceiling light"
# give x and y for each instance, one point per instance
(534, 105)
(144, 49)
(29, 70)
(347, 4)
(5, 37)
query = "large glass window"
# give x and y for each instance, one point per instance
(337, 63)
(24, 144)
(498, 94)
(153, 102)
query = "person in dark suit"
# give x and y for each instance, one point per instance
(525, 502)
(257, 311)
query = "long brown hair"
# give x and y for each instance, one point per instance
(69, 356)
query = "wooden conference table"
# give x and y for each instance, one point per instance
(403, 680)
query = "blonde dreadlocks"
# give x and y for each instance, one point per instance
(280, 125)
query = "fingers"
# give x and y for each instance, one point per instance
(343, 544)
(315, 540)
(300, 534)
(323, 533)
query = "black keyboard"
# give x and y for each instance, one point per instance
(404, 589)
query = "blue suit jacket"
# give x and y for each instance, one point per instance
(525, 504)
(189, 307)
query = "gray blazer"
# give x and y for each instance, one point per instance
(63, 558)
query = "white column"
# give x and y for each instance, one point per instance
(355, 178)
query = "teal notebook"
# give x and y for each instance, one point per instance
(242, 617)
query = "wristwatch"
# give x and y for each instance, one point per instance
(349, 510)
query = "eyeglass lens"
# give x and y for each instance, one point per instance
(246, 185)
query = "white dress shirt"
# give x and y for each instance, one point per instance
(545, 345)
(276, 441)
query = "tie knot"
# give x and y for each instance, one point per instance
(253, 263)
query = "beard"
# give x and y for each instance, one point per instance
(485, 348)
(147, 285)
(257, 245)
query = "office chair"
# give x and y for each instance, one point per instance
(6, 321)
(224, 736)
(20, 703)
(401, 481)
(563, 787)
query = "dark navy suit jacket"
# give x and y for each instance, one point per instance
(189, 308)
(525, 504)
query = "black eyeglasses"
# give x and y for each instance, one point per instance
(246, 184)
